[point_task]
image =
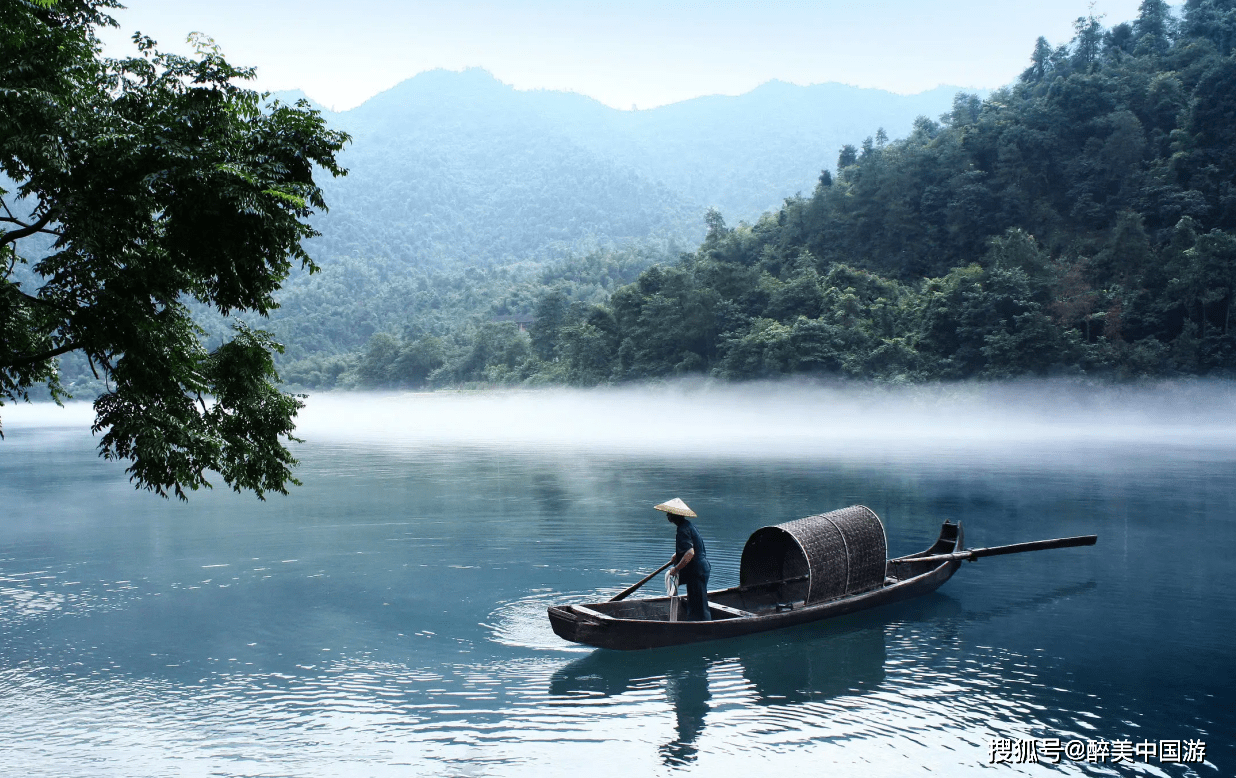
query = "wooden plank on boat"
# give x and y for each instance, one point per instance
(586, 611)
(727, 609)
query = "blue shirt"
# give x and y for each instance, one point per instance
(685, 539)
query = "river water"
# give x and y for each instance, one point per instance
(388, 618)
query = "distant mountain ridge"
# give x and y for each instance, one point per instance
(462, 188)
(457, 167)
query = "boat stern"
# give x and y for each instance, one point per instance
(570, 624)
(951, 539)
(564, 622)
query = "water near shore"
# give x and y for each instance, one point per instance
(388, 618)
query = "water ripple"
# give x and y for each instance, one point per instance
(221, 638)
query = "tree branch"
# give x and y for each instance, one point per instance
(46, 355)
(12, 289)
(27, 230)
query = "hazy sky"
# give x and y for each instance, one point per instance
(636, 52)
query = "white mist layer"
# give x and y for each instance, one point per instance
(778, 420)
(46, 415)
(789, 420)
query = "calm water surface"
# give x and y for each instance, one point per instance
(388, 618)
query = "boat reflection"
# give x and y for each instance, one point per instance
(780, 669)
(813, 663)
(849, 662)
(688, 693)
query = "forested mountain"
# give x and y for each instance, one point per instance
(1080, 220)
(454, 167)
(744, 155)
(457, 168)
(462, 190)
(464, 194)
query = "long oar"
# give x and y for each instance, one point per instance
(623, 594)
(1016, 548)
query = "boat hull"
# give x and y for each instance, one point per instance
(592, 626)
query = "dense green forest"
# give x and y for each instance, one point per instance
(1079, 221)
(467, 199)
(458, 169)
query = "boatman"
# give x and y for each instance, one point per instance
(690, 560)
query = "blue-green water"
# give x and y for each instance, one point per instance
(388, 618)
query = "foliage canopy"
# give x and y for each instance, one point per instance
(157, 180)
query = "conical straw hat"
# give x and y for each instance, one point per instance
(676, 506)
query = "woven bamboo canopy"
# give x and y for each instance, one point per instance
(820, 557)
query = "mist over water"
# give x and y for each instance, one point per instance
(782, 420)
(388, 617)
(792, 420)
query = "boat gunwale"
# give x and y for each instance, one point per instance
(796, 611)
(855, 597)
(625, 633)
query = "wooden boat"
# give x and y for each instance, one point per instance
(793, 573)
